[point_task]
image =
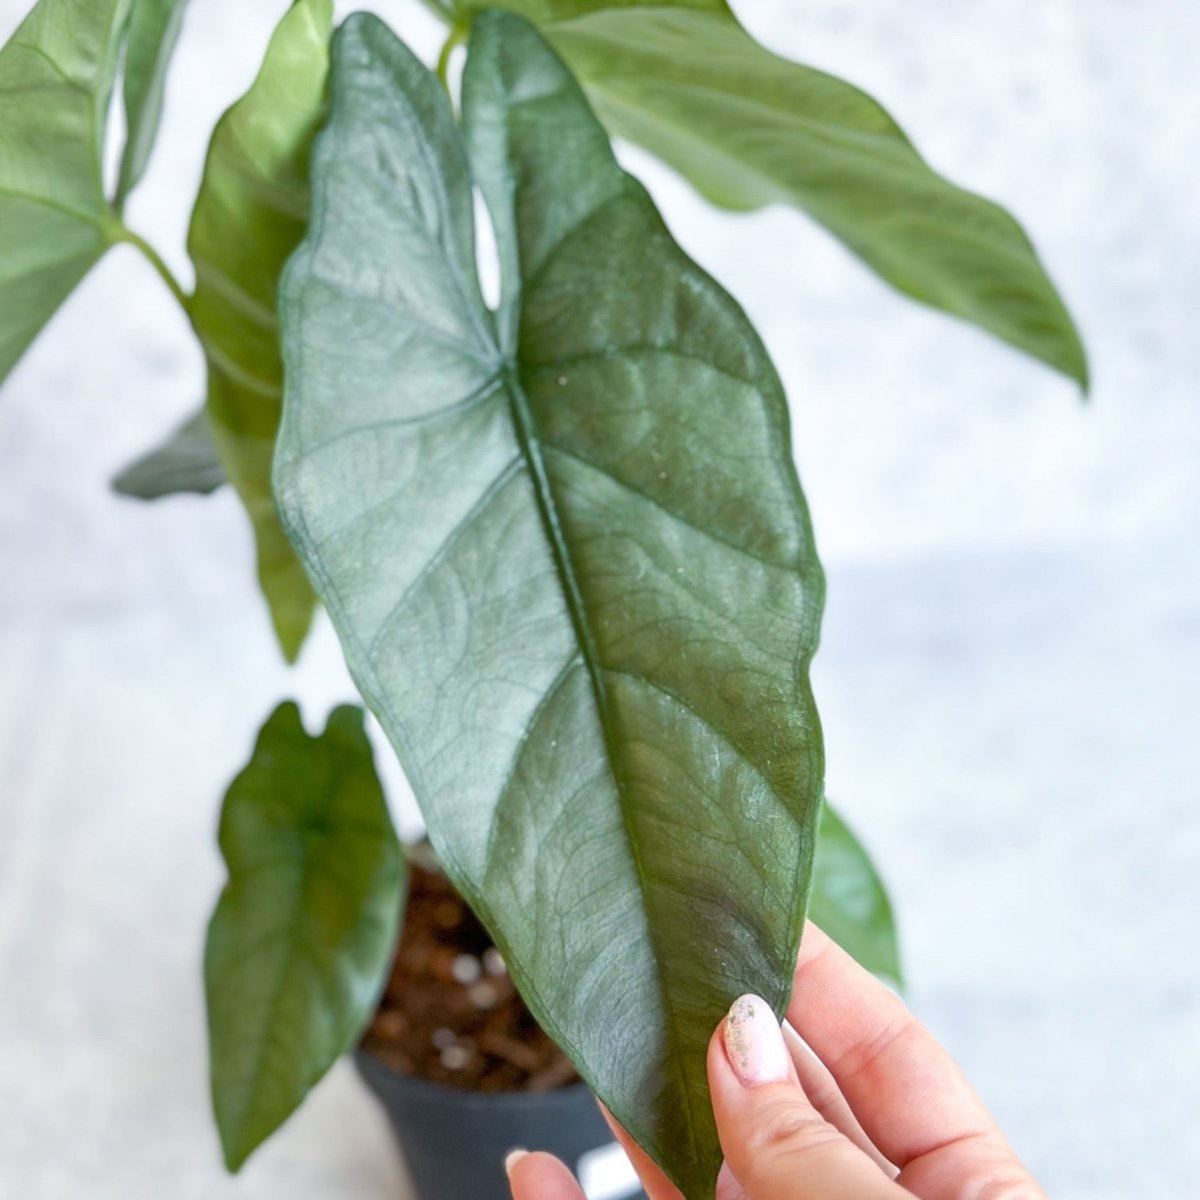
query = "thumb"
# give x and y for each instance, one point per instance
(776, 1143)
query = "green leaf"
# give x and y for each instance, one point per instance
(56, 79)
(186, 462)
(251, 213)
(543, 11)
(849, 901)
(567, 556)
(302, 937)
(154, 27)
(749, 128)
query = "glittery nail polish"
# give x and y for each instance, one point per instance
(754, 1042)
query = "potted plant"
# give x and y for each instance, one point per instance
(560, 535)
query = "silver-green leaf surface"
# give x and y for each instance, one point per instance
(567, 555)
(300, 942)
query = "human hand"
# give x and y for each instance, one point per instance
(875, 1110)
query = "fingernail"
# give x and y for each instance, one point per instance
(511, 1159)
(754, 1042)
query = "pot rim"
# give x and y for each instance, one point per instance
(369, 1063)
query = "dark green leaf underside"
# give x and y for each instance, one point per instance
(567, 555)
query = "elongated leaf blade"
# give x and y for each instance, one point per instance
(849, 901)
(748, 128)
(56, 78)
(300, 942)
(186, 462)
(567, 556)
(251, 212)
(154, 28)
(545, 11)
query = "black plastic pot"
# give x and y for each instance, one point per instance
(454, 1142)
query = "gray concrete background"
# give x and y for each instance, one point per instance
(1008, 678)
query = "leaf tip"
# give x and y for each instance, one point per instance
(1073, 362)
(1083, 376)
(291, 630)
(234, 1153)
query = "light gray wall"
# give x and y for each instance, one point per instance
(1011, 655)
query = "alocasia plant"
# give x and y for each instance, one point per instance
(562, 541)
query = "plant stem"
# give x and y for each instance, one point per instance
(120, 232)
(457, 35)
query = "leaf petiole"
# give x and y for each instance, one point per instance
(455, 38)
(120, 232)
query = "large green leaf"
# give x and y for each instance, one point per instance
(56, 80)
(749, 128)
(251, 212)
(849, 901)
(186, 462)
(154, 27)
(567, 555)
(301, 939)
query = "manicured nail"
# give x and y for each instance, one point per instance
(754, 1042)
(512, 1158)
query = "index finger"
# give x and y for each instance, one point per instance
(901, 1083)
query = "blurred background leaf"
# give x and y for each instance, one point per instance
(849, 901)
(251, 213)
(748, 128)
(186, 462)
(56, 79)
(154, 28)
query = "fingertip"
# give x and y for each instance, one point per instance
(539, 1176)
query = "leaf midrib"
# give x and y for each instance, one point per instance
(531, 450)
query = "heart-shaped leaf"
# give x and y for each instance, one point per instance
(567, 555)
(683, 79)
(251, 213)
(154, 27)
(56, 79)
(849, 901)
(186, 462)
(301, 939)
